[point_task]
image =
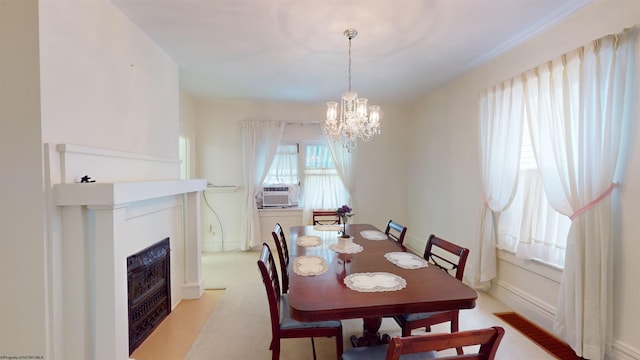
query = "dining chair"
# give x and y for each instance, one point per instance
(396, 231)
(282, 325)
(450, 258)
(283, 255)
(427, 346)
(326, 217)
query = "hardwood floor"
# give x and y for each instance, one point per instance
(175, 334)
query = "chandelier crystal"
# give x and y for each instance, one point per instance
(354, 119)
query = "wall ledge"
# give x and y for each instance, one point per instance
(122, 192)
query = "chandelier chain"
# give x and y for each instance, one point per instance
(350, 63)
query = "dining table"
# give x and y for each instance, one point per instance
(370, 276)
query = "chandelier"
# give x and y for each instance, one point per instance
(355, 119)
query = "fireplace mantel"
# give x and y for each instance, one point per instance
(122, 192)
(98, 226)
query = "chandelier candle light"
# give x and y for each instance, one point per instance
(355, 118)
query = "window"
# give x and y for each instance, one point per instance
(284, 169)
(183, 147)
(323, 188)
(319, 181)
(530, 227)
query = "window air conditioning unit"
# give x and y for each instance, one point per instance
(275, 196)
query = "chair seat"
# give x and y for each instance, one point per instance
(380, 352)
(286, 322)
(420, 316)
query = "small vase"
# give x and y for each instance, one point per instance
(345, 242)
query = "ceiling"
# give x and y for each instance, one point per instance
(295, 50)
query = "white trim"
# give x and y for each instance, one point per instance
(622, 351)
(532, 31)
(537, 267)
(85, 150)
(528, 305)
(104, 165)
(121, 193)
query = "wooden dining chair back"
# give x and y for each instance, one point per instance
(396, 231)
(447, 256)
(450, 258)
(326, 217)
(282, 325)
(428, 346)
(283, 255)
(488, 339)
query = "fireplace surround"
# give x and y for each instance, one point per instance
(149, 290)
(105, 223)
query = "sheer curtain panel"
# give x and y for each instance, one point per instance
(322, 188)
(259, 144)
(580, 107)
(501, 119)
(345, 163)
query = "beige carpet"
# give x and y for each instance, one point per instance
(239, 327)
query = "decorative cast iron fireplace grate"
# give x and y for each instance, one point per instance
(149, 288)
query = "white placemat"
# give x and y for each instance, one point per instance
(406, 260)
(327, 227)
(309, 240)
(310, 265)
(375, 282)
(373, 235)
(355, 248)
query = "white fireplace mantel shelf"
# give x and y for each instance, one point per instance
(122, 192)
(97, 236)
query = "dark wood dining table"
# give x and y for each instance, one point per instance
(326, 297)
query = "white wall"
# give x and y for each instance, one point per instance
(76, 72)
(381, 192)
(23, 250)
(105, 84)
(188, 115)
(444, 174)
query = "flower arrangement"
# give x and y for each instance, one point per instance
(344, 212)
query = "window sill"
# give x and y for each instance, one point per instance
(543, 269)
(280, 209)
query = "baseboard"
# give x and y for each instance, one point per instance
(193, 290)
(532, 308)
(543, 314)
(621, 351)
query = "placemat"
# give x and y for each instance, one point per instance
(309, 240)
(375, 282)
(406, 260)
(355, 248)
(373, 235)
(310, 265)
(327, 227)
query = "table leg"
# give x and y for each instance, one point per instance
(370, 335)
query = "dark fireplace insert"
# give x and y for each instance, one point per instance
(149, 291)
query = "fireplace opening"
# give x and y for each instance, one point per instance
(149, 291)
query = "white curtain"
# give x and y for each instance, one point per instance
(260, 141)
(501, 119)
(322, 188)
(345, 162)
(530, 228)
(582, 105)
